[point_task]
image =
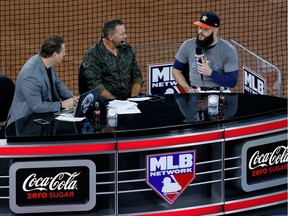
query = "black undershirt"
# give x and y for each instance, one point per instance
(51, 83)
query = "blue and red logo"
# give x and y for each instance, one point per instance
(169, 174)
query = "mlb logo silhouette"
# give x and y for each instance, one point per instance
(169, 174)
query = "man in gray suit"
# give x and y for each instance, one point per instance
(38, 88)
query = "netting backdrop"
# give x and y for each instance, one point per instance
(154, 28)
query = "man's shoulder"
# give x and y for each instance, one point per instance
(226, 44)
(94, 50)
(31, 69)
(34, 58)
(188, 44)
(33, 63)
(190, 41)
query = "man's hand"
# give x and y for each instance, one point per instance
(192, 90)
(204, 67)
(69, 103)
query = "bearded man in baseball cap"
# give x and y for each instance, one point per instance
(212, 61)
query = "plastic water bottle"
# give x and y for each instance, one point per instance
(213, 101)
(112, 117)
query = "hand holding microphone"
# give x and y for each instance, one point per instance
(199, 54)
(200, 57)
(203, 64)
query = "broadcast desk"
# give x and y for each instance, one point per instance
(226, 165)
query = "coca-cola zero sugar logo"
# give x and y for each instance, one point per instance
(278, 156)
(52, 186)
(57, 182)
(264, 163)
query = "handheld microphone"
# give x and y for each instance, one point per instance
(199, 56)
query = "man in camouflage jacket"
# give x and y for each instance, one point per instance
(110, 65)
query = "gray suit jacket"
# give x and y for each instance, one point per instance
(33, 91)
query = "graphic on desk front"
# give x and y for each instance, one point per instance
(169, 174)
(52, 186)
(264, 163)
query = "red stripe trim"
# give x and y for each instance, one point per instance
(255, 202)
(196, 211)
(52, 149)
(140, 144)
(230, 133)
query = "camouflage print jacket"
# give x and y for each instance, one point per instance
(104, 70)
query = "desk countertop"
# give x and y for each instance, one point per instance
(173, 112)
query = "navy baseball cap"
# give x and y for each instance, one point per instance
(208, 20)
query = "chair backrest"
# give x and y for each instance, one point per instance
(82, 80)
(7, 88)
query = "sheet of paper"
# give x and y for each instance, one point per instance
(69, 118)
(139, 99)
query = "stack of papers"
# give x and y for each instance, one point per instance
(124, 106)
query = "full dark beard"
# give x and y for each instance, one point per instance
(206, 42)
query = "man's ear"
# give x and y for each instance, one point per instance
(110, 37)
(215, 30)
(54, 54)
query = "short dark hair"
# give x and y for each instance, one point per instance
(50, 45)
(110, 25)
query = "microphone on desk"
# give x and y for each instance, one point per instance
(199, 56)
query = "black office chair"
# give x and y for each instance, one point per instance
(7, 88)
(82, 80)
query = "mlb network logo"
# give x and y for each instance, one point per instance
(169, 174)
